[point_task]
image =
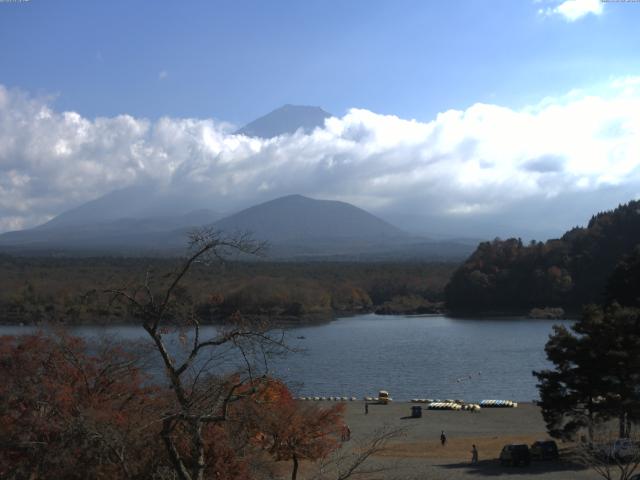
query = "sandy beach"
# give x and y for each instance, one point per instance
(419, 453)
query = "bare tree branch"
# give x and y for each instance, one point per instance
(200, 399)
(612, 458)
(343, 465)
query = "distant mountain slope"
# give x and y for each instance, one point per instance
(294, 219)
(122, 234)
(113, 205)
(144, 201)
(506, 275)
(286, 119)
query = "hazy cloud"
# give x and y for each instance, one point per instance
(545, 164)
(572, 10)
(481, 160)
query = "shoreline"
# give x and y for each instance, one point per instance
(410, 403)
(287, 321)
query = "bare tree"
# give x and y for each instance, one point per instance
(355, 461)
(611, 457)
(202, 384)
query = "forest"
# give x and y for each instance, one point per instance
(569, 272)
(73, 290)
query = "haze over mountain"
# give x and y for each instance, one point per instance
(286, 120)
(141, 202)
(294, 227)
(129, 235)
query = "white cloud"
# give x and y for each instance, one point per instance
(464, 162)
(572, 10)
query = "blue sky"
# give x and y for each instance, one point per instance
(527, 112)
(236, 60)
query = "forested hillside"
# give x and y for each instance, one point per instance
(506, 275)
(72, 290)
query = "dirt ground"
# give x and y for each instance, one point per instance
(418, 454)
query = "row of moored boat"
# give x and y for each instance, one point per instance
(431, 404)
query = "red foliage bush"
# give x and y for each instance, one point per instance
(65, 413)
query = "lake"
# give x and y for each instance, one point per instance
(411, 357)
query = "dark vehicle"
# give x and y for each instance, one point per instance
(544, 450)
(515, 455)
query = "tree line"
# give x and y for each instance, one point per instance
(569, 272)
(71, 290)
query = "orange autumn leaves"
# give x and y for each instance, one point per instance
(64, 412)
(70, 411)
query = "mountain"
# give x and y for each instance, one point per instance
(295, 218)
(286, 120)
(295, 227)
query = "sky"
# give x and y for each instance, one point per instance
(471, 118)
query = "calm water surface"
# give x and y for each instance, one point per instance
(412, 357)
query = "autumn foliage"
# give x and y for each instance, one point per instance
(65, 413)
(71, 410)
(292, 431)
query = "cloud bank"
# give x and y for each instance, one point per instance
(485, 160)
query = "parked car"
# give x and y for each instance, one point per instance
(544, 450)
(515, 455)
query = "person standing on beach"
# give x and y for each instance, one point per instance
(474, 454)
(366, 408)
(443, 438)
